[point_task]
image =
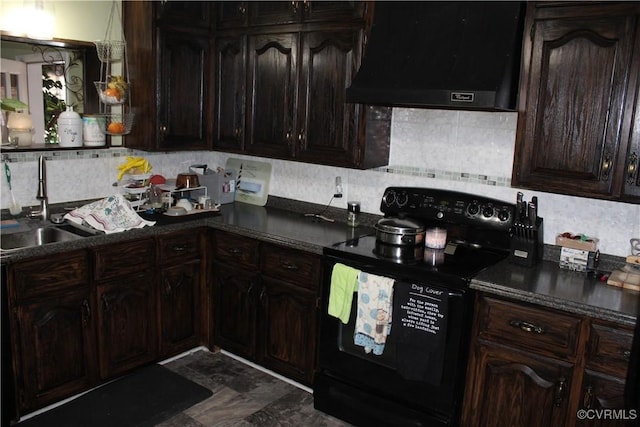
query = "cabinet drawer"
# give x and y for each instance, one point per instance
(290, 265)
(528, 327)
(236, 249)
(609, 348)
(180, 246)
(42, 276)
(123, 259)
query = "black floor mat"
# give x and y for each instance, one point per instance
(145, 397)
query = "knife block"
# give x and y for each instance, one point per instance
(527, 244)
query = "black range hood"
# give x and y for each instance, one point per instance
(454, 55)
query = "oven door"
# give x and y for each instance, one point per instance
(405, 385)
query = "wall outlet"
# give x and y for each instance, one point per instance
(338, 192)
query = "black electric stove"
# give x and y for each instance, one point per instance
(366, 389)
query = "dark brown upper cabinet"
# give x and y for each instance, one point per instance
(232, 14)
(185, 13)
(578, 129)
(260, 78)
(281, 73)
(230, 94)
(273, 85)
(170, 61)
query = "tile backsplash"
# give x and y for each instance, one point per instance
(456, 150)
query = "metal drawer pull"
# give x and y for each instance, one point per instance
(86, 312)
(561, 387)
(631, 168)
(587, 402)
(607, 164)
(626, 354)
(179, 248)
(235, 251)
(288, 266)
(526, 326)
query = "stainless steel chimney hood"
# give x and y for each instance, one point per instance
(455, 55)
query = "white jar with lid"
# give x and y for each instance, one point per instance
(92, 130)
(70, 128)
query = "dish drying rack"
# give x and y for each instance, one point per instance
(136, 186)
(135, 189)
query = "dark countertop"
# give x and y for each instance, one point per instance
(283, 222)
(548, 285)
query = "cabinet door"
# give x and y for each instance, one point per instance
(631, 171)
(287, 329)
(57, 349)
(571, 133)
(185, 13)
(322, 10)
(509, 388)
(327, 129)
(274, 12)
(230, 14)
(126, 323)
(600, 391)
(180, 312)
(272, 89)
(230, 93)
(184, 73)
(235, 309)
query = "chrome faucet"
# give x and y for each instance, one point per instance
(42, 192)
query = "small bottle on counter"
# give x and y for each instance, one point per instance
(353, 214)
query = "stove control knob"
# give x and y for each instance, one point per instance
(389, 198)
(402, 199)
(487, 212)
(473, 208)
(503, 215)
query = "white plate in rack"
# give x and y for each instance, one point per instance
(134, 190)
(138, 177)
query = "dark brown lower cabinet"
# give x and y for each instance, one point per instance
(126, 323)
(83, 317)
(602, 392)
(265, 304)
(182, 291)
(287, 329)
(234, 303)
(51, 312)
(519, 389)
(56, 347)
(179, 307)
(533, 366)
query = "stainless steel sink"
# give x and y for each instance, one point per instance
(36, 237)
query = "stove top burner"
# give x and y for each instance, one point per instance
(401, 254)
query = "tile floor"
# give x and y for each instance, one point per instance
(243, 396)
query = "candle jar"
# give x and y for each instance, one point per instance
(20, 127)
(435, 238)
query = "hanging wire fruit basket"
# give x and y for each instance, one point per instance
(110, 50)
(115, 91)
(113, 88)
(117, 124)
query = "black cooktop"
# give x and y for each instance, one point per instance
(457, 261)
